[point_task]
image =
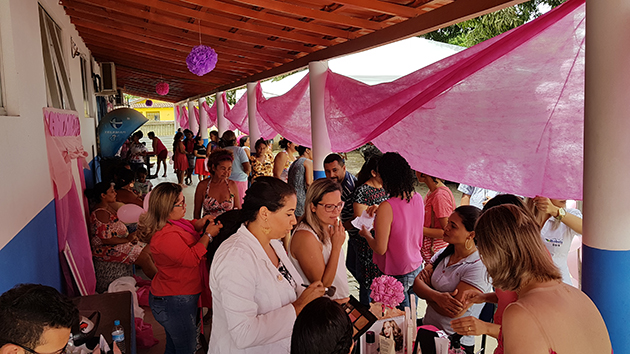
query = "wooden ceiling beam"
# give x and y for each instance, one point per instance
(444, 16)
(165, 20)
(383, 7)
(139, 41)
(319, 15)
(264, 16)
(153, 54)
(159, 66)
(207, 17)
(170, 36)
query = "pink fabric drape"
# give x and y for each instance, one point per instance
(238, 115)
(212, 112)
(63, 144)
(506, 114)
(181, 116)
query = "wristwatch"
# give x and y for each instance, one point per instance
(561, 213)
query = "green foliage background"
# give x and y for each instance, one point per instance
(477, 30)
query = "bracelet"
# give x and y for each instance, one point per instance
(210, 236)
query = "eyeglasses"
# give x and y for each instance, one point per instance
(332, 207)
(29, 350)
(181, 205)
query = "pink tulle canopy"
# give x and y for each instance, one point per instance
(506, 114)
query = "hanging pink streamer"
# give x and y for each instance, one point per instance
(238, 115)
(506, 114)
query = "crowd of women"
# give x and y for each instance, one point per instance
(264, 251)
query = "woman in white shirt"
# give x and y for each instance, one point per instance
(256, 292)
(558, 226)
(315, 247)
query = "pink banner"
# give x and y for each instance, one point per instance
(63, 144)
(506, 114)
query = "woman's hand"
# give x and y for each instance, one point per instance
(545, 205)
(371, 210)
(472, 296)
(199, 224)
(314, 291)
(364, 232)
(469, 326)
(132, 237)
(337, 234)
(426, 273)
(448, 303)
(213, 228)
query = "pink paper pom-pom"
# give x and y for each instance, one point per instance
(162, 88)
(387, 290)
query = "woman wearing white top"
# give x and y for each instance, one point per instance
(256, 291)
(315, 247)
(558, 226)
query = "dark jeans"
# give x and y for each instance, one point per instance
(407, 282)
(178, 316)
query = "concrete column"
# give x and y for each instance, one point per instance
(192, 120)
(319, 131)
(222, 122)
(606, 257)
(254, 132)
(203, 121)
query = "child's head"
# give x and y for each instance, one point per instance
(141, 174)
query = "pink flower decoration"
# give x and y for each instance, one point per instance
(162, 88)
(387, 290)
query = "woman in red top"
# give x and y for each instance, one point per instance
(160, 152)
(178, 250)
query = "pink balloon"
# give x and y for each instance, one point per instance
(130, 213)
(146, 201)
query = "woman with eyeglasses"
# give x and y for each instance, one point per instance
(178, 247)
(315, 247)
(398, 233)
(256, 291)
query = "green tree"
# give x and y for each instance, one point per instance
(479, 29)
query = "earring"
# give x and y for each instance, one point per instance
(266, 229)
(466, 244)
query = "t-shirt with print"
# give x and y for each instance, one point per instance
(557, 237)
(438, 204)
(469, 270)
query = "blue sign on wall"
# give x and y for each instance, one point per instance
(116, 127)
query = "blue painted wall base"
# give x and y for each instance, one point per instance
(32, 256)
(605, 280)
(319, 174)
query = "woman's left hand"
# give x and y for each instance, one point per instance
(364, 232)
(545, 205)
(469, 326)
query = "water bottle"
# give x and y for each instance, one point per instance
(118, 336)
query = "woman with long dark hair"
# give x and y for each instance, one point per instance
(397, 233)
(240, 165)
(256, 292)
(368, 195)
(454, 271)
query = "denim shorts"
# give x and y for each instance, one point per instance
(178, 315)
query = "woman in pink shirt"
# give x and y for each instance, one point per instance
(397, 232)
(439, 204)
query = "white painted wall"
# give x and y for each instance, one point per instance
(25, 186)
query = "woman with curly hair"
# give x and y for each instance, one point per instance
(217, 194)
(397, 234)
